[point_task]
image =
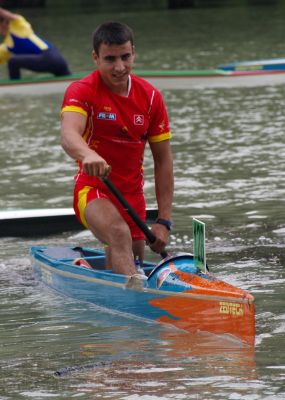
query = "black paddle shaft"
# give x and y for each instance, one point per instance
(143, 227)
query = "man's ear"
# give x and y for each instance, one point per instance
(134, 53)
(95, 57)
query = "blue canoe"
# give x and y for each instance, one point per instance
(175, 292)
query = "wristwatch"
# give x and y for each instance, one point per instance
(164, 222)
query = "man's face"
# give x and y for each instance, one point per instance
(115, 64)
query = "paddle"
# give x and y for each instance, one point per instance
(144, 228)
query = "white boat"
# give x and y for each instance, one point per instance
(181, 80)
(43, 222)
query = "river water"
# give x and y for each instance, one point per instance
(229, 165)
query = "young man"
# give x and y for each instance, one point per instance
(23, 49)
(107, 118)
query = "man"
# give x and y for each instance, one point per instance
(23, 49)
(107, 118)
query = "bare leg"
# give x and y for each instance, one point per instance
(138, 249)
(107, 224)
(107, 257)
(138, 252)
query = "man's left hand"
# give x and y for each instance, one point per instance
(162, 236)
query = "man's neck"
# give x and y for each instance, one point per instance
(122, 90)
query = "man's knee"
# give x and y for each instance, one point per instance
(120, 232)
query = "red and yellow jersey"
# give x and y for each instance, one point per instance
(118, 127)
(21, 39)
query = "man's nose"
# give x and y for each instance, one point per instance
(119, 64)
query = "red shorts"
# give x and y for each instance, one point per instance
(83, 194)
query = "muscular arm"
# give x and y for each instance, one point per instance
(163, 174)
(164, 183)
(72, 128)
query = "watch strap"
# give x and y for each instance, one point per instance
(164, 222)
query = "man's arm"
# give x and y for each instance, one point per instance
(164, 186)
(7, 14)
(72, 128)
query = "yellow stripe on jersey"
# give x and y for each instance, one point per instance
(8, 42)
(4, 54)
(38, 42)
(74, 109)
(160, 138)
(87, 130)
(82, 201)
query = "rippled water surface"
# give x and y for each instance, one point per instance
(229, 152)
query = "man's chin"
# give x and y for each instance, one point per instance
(117, 83)
(121, 81)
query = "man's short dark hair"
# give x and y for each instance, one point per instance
(112, 33)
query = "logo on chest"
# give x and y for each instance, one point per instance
(138, 119)
(107, 116)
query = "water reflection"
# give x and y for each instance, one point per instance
(150, 360)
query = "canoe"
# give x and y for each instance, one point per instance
(49, 221)
(178, 291)
(275, 65)
(174, 292)
(162, 79)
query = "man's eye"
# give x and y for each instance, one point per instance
(125, 57)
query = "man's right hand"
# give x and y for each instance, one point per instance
(94, 165)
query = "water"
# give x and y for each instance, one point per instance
(229, 166)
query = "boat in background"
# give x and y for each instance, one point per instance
(39, 222)
(224, 76)
(275, 65)
(162, 79)
(47, 221)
